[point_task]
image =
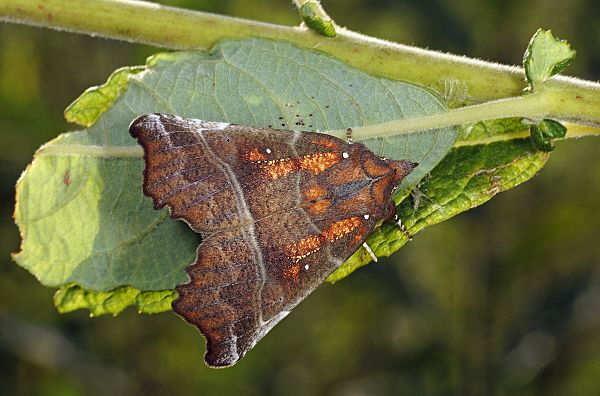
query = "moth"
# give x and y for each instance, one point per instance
(278, 211)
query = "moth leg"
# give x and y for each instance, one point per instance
(349, 135)
(370, 251)
(392, 216)
(403, 228)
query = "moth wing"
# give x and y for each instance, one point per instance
(271, 233)
(241, 285)
(193, 167)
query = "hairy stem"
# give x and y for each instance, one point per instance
(535, 106)
(565, 98)
(183, 29)
(547, 103)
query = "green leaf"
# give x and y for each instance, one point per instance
(96, 100)
(80, 208)
(467, 177)
(488, 131)
(315, 18)
(543, 133)
(545, 57)
(72, 297)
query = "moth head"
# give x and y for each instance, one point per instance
(378, 167)
(402, 168)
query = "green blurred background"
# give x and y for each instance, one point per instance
(502, 300)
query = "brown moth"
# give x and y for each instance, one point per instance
(278, 212)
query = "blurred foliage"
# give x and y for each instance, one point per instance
(502, 300)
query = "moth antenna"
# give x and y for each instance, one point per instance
(349, 138)
(368, 249)
(403, 228)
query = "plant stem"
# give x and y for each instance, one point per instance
(137, 21)
(534, 106)
(546, 103)
(322, 13)
(150, 23)
(299, 3)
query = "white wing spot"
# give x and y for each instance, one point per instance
(345, 154)
(268, 151)
(366, 217)
(306, 267)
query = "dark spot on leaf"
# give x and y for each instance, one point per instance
(67, 178)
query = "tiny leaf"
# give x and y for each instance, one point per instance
(315, 18)
(96, 100)
(546, 56)
(543, 133)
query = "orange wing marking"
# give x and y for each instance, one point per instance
(277, 168)
(359, 235)
(315, 192)
(317, 163)
(341, 228)
(292, 272)
(319, 206)
(305, 247)
(311, 244)
(255, 156)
